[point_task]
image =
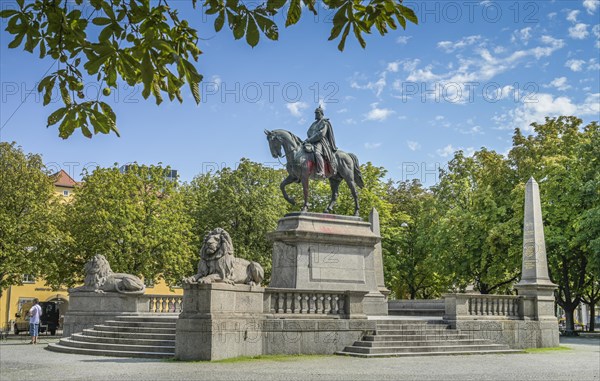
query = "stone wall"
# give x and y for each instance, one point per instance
(504, 319)
(222, 321)
(87, 309)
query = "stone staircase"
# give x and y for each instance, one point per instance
(400, 338)
(145, 336)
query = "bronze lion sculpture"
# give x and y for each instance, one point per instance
(100, 278)
(217, 263)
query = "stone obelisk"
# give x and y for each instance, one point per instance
(535, 283)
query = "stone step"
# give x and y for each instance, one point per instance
(129, 335)
(155, 318)
(125, 328)
(424, 331)
(118, 340)
(412, 326)
(412, 343)
(136, 323)
(417, 312)
(71, 342)
(426, 348)
(415, 354)
(412, 321)
(436, 337)
(55, 347)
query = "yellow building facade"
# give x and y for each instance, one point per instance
(14, 297)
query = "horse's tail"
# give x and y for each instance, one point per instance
(358, 179)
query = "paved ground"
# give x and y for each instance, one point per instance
(20, 361)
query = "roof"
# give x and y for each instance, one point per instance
(62, 179)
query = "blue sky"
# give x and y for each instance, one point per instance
(464, 78)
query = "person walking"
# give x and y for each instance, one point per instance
(35, 312)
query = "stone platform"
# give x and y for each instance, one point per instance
(221, 321)
(315, 251)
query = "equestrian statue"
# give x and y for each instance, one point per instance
(317, 157)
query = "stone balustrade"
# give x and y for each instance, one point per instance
(475, 306)
(165, 303)
(285, 301)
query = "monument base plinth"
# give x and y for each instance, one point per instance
(87, 309)
(315, 251)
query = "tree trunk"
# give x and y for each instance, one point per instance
(570, 321)
(592, 325)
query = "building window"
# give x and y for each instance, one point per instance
(28, 278)
(65, 193)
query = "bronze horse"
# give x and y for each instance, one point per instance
(300, 166)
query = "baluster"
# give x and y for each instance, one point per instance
(288, 303)
(342, 304)
(475, 309)
(298, 303)
(470, 306)
(334, 304)
(279, 302)
(326, 303)
(155, 307)
(312, 301)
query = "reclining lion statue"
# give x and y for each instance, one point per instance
(100, 278)
(217, 263)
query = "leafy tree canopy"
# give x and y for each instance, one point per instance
(27, 211)
(139, 42)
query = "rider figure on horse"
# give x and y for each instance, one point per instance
(321, 142)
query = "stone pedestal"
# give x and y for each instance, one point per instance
(87, 309)
(314, 251)
(220, 321)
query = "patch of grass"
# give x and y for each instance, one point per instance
(544, 350)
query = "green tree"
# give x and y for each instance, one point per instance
(245, 201)
(143, 43)
(563, 157)
(479, 221)
(28, 232)
(407, 243)
(136, 219)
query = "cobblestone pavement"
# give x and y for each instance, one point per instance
(21, 361)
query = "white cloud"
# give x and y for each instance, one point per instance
(446, 151)
(393, 66)
(403, 40)
(475, 130)
(596, 30)
(449, 46)
(377, 86)
(560, 83)
(439, 117)
(546, 105)
(579, 31)
(591, 5)
(349, 121)
(522, 35)
(296, 108)
(575, 65)
(372, 145)
(572, 16)
(378, 114)
(413, 146)
(341, 111)
(551, 15)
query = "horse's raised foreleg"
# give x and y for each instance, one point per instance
(305, 192)
(288, 180)
(334, 183)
